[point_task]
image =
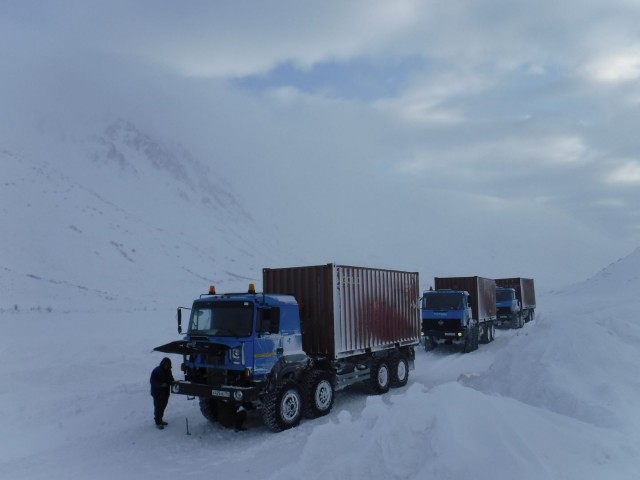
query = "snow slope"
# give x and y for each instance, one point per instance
(88, 217)
(555, 400)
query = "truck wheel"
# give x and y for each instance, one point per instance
(318, 392)
(486, 334)
(429, 344)
(227, 414)
(282, 408)
(399, 371)
(209, 409)
(476, 336)
(471, 340)
(380, 380)
(468, 342)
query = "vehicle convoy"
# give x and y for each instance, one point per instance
(461, 311)
(315, 330)
(515, 301)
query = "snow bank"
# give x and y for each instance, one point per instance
(454, 431)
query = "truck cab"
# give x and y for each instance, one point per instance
(235, 344)
(508, 308)
(446, 316)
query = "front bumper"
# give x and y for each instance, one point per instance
(441, 336)
(506, 321)
(228, 393)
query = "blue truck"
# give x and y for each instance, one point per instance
(515, 301)
(460, 311)
(286, 352)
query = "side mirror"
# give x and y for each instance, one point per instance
(179, 320)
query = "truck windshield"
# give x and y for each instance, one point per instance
(222, 319)
(442, 301)
(504, 295)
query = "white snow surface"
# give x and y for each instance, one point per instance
(555, 400)
(90, 282)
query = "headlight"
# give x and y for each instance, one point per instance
(236, 355)
(237, 395)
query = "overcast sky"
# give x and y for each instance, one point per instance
(508, 120)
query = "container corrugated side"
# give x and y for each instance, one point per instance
(347, 310)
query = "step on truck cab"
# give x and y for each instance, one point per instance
(515, 301)
(460, 311)
(286, 351)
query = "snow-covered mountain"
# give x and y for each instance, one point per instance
(91, 208)
(86, 217)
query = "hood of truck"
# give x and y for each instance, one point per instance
(258, 354)
(193, 347)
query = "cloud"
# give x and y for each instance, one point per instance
(236, 39)
(617, 67)
(427, 100)
(627, 174)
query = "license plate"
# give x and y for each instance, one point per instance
(220, 393)
(449, 334)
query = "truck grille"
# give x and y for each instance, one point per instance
(441, 325)
(215, 359)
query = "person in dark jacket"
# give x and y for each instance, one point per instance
(161, 378)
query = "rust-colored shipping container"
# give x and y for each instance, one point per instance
(482, 294)
(524, 287)
(348, 310)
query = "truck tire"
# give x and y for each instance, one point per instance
(467, 346)
(227, 414)
(282, 408)
(209, 409)
(476, 336)
(429, 344)
(486, 335)
(319, 392)
(399, 371)
(380, 380)
(472, 339)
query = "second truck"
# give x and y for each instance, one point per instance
(461, 311)
(315, 330)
